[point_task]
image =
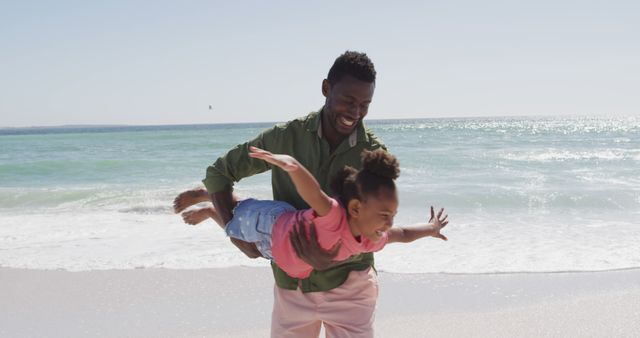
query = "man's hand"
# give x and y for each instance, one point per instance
(309, 250)
(247, 248)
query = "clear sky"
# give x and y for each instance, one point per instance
(157, 62)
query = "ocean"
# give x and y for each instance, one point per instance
(535, 194)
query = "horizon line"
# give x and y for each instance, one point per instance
(97, 125)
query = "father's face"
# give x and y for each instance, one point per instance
(346, 103)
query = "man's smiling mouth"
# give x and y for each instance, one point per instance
(347, 122)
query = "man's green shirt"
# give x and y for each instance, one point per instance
(302, 139)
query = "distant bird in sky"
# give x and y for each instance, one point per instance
(210, 107)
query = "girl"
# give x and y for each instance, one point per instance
(361, 218)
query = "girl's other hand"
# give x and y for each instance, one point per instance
(438, 223)
(285, 162)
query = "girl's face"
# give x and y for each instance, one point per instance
(373, 216)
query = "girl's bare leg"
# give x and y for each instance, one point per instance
(196, 216)
(190, 197)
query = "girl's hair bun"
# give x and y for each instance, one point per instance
(381, 163)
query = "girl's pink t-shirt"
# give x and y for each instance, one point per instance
(330, 229)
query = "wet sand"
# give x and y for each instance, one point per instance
(236, 302)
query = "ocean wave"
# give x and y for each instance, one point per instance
(584, 191)
(478, 243)
(519, 125)
(146, 210)
(567, 155)
(105, 197)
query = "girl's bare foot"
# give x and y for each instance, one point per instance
(188, 198)
(196, 216)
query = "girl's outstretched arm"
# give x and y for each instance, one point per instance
(306, 185)
(411, 233)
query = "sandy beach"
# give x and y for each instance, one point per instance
(236, 302)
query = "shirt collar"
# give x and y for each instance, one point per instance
(358, 135)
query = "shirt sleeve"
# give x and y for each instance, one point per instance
(236, 163)
(332, 220)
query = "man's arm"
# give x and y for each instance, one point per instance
(223, 202)
(228, 169)
(236, 165)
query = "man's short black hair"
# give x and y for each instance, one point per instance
(352, 63)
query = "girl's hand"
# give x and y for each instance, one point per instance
(438, 223)
(285, 162)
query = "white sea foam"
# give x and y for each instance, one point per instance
(112, 240)
(477, 244)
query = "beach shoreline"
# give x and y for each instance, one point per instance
(236, 302)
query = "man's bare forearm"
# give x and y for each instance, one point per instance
(223, 202)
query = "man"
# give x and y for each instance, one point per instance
(340, 294)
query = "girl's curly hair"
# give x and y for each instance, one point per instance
(379, 169)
